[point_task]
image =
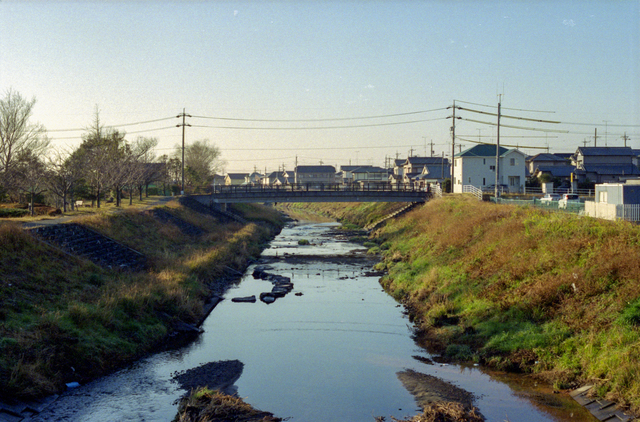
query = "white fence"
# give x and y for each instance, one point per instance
(472, 190)
(628, 212)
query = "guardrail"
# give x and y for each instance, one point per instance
(472, 190)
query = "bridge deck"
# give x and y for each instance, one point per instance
(322, 193)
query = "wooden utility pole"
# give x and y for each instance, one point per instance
(453, 146)
(497, 191)
(626, 138)
(183, 115)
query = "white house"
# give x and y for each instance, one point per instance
(476, 166)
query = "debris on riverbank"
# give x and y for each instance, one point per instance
(214, 375)
(205, 405)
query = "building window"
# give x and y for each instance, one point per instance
(492, 168)
(484, 161)
(512, 161)
(484, 182)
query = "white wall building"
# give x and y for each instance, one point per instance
(476, 166)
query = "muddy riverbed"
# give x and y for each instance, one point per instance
(336, 347)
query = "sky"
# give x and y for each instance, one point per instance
(275, 83)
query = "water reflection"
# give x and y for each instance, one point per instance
(332, 353)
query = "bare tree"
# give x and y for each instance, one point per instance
(17, 134)
(63, 174)
(100, 156)
(31, 175)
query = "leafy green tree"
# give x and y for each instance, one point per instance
(201, 161)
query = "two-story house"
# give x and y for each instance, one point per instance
(316, 175)
(476, 166)
(418, 171)
(604, 164)
(235, 179)
(555, 165)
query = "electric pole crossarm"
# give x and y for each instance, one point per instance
(184, 123)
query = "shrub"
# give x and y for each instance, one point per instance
(12, 212)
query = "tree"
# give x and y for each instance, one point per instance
(17, 134)
(101, 156)
(201, 161)
(31, 175)
(62, 177)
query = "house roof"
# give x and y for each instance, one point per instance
(424, 160)
(482, 150)
(370, 169)
(556, 171)
(399, 162)
(435, 171)
(546, 157)
(613, 170)
(237, 175)
(315, 169)
(608, 151)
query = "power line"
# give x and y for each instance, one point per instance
(320, 127)
(506, 108)
(120, 125)
(509, 117)
(516, 127)
(504, 145)
(322, 120)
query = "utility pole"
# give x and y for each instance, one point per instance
(626, 138)
(606, 123)
(595, 138)
(453, 145)
(183, 115)
(497, 191)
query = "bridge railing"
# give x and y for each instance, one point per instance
(316, 187)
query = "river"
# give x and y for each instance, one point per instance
(331, 353)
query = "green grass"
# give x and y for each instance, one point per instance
(58, 312)
(519, 288)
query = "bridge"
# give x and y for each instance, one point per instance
(313, 193)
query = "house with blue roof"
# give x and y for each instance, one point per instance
(605, 164)
(476, 166)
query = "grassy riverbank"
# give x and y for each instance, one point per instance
(521, 289)
(65, 319)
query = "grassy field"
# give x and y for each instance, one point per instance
(65, 319)
(517, 288)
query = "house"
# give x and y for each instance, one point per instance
(418, 171)
(317, 175)
(254, 179)
(395, 178)
(371, 175)
(276, 178)
(616, 201)
(218, 180)
(476, 166)
(556, 166)
(235, 179)
(604, 164)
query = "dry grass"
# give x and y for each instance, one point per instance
(521, 285)
(204, 405)
(443, 412)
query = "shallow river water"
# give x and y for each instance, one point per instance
(330, 354)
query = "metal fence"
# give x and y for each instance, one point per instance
(571, 207)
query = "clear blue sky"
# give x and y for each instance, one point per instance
(312, 60)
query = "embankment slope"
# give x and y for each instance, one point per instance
(517, 288)
(65, 319)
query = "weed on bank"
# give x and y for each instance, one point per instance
(517, 288)
(65, 319)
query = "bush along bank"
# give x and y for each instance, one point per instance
(64, 319)
(552, 295)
